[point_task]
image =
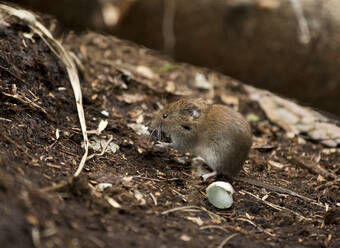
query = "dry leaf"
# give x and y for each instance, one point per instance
(145, 71)
(97, 144)
(139, 196)
(131, 98)
(196, 220)
(140, 129)
(201, 82)
(230, 100)
(185, 237)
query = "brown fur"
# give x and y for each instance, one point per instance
(218, 134)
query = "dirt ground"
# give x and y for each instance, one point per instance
(131, 83)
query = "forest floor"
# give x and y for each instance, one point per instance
(155, 198)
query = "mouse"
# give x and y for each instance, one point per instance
(214, 132)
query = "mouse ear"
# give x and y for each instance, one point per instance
(193, 110)
(196, 112)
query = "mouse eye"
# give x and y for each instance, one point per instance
(165, 116)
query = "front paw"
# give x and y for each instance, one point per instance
(208, 175)
(162, 144)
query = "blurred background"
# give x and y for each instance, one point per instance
(290, 47)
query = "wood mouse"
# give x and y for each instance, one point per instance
(218, 134)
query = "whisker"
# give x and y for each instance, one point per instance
(150, 136)
(159, 134)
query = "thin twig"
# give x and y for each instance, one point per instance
(179, 194)
(313, 167)
(26, 101)
(13, 75)
(4, 119)
(17, 145)
(276, 207)
(154, 199)
(97, 241)
(213, 216)
(225, 241)
(181, 209)
(112, 202)
(258, 227)
(103, 150)
(156, 179)
(59, 185)
(213, 226)
(148, 178)
(230, 228)
(278, 189)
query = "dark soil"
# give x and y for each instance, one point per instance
(146, 181)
